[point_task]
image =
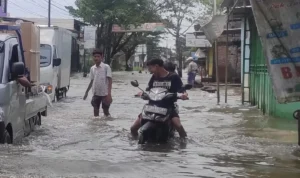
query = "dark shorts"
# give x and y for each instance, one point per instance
(96, 102)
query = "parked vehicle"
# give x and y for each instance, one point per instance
(156, 115)
(56, 45)
(20, 108)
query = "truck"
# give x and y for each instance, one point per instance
(55, 46)
(21, 108)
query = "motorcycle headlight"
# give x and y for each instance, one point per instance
(1, 115)
(156, 97)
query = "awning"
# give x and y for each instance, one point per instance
(215, 27)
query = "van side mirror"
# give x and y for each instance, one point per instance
(56, 62)
(18, 69)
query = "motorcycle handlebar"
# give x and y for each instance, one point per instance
(141, 96)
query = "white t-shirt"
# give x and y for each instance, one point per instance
(100, 76)
(193, 67)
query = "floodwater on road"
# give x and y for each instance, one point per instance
(223, 140)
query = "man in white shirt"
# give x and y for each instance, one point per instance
(101, 84)
(192, 71)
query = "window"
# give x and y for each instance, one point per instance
(45, 55)
(14, 58)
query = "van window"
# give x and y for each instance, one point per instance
(45, 55)
(14, 58)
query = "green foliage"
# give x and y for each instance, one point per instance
(209, 5)
(125, 13)
(178, 11)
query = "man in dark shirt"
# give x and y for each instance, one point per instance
(163, 79)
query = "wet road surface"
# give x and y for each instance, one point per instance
(223, 141)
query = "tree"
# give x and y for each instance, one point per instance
(209, 6)
(176, 13)
(138, 38)
(104, 13)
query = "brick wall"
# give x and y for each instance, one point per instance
(234, 63)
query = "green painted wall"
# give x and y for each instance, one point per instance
(261, 92)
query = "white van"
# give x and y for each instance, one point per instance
(56, 46)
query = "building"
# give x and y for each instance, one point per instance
(234, 53)
(256, 82)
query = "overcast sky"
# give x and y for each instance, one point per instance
(38, 8)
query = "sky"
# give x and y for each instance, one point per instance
(39, 8)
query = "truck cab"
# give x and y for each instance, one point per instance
(21, 107)
(49, 63)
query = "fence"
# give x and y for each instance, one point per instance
(261, 92)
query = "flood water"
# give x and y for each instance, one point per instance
(223, 141)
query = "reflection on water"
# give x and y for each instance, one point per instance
(227, 140)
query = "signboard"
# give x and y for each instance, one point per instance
(215, 27)
(146, 27)
(90, 37)
(279, 28)
(196, 41)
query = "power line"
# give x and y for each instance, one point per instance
(34, 2)
(64, 10)
(60, 3)
(25, 10)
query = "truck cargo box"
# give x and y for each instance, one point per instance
(62, 40)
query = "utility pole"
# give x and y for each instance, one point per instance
(49, 13)
(215, 7)
(216, 58)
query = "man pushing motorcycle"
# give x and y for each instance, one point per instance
(162, 78)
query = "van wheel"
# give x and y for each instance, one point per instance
(6, 138)
(64, 93)
(38, 120)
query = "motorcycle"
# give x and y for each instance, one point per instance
(156, 114)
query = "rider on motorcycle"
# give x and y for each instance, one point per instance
(163, 79)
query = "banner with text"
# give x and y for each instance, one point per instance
(278, 24)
